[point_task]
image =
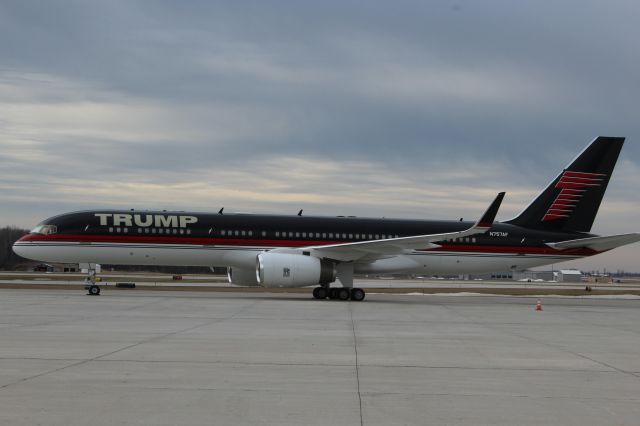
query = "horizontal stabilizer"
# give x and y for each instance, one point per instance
(598, 243)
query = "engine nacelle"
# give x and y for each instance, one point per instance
(293, 270)
(242, 277)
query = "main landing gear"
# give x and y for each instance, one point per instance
(324, 292)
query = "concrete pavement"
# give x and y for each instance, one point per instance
(189, 358)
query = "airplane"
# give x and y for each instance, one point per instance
(301, 251)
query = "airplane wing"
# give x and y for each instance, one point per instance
(598, 243)
(376, 249)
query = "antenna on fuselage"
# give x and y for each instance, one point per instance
(300, 212)
(220, 212)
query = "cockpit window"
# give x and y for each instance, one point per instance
(45, 229)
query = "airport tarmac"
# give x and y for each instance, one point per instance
(225, 358)
(165, 282)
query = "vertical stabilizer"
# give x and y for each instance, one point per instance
(570, 203)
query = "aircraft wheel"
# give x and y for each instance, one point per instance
(323, 293)
(333, 293)
(357, 294)
(343, 293)
(319, 293)
(94, 290)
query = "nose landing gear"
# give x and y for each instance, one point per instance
(90, 281)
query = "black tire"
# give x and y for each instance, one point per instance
(333, 293)
(344, 293)
(357, 294)
(319, 293)
(322, 293)
(94, 290)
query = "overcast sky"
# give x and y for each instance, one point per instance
(399, 108)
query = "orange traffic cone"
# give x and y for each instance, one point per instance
(538, 306)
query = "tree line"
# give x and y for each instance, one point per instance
(8, 259)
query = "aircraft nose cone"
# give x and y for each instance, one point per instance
(21, 247)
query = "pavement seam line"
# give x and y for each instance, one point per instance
(97, 358)
(214, 321)
(355, 349)
(550, 345)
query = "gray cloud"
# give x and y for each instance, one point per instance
(418, 108)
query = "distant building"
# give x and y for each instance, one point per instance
(569, 276)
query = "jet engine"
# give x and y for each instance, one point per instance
(293, 270)
(242, 277)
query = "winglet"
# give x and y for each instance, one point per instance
(486, 221)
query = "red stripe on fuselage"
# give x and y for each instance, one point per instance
(252, 242)
(174, 239)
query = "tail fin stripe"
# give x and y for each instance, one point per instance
(568, 185)
(554, 216)
(580, 180)
(570, 173)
